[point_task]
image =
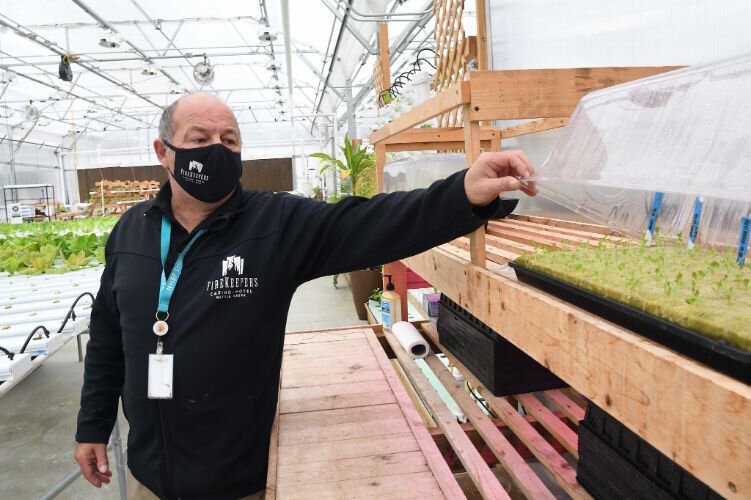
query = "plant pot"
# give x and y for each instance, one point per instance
(363, 283)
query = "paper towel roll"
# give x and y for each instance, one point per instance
(410, 339)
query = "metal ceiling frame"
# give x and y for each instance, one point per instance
(103, 22)
(50, 45)
(397, 49)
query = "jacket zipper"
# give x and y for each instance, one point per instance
(171, 493)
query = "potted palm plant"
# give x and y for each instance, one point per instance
(358, 177)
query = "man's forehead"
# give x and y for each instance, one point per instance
(203, 111)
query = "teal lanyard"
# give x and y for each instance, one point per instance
(167, 286)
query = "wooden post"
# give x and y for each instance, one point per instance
(384, 54)
(380, 160)
(482, 36)
(472, 151)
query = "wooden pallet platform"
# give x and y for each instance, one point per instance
(345, 426)
(691, 413)
(542, 435)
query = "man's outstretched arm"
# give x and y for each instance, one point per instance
(318, 239)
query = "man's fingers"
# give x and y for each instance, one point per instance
(103, 478)
(508, 184)
(89, 472)
(513, 163)
(102, 464)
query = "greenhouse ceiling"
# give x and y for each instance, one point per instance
(129, 59)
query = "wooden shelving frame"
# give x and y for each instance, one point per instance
(694, 415)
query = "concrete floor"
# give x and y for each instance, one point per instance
(37, 417)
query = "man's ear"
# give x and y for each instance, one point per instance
(161, 153)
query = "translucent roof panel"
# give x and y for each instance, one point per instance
(136, 57)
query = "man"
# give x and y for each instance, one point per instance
(196, 291)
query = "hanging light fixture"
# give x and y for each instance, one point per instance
(7, 76)
(150, 70)
(109, 40)
(203, 72)
(267, 36)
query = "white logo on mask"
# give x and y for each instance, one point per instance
(194, 165)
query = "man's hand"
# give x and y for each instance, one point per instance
(494, 173)
(92, 458)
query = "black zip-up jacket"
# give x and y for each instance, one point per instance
(227, 321)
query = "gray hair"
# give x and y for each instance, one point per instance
(167, 120)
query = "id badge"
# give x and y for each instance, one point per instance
(160, 376)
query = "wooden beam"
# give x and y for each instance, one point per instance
(453, 97)
(380, 160)
(533, 126)
(473, 150)
(519, 472)
(694, 415)
(521, 448)
(437, 464)
(573, 411)
(474, 464)
(558, 467)
(483, 62)
(442, 146)
(384, 54)
(554, 425)
(542, 93)
(441, 134)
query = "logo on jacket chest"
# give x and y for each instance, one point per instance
(232, 283)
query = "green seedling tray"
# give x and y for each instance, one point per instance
(715, 353)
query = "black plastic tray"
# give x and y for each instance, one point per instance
(614, 462)
(719, 355)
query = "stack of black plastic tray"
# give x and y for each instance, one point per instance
(501, 367)
(616, 463)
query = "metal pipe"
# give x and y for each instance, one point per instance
(365, 43)
(290, 82)
(333, 61)
(187, 54)
(320, 76)
(61, 166)
(386, 16)
(120, 460)
(135, 21)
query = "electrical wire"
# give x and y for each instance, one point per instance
(71, 313)
(7, 353)
(397, 83)
(479, 399)
(28, 339)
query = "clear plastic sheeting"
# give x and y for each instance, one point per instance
(420, 170)
(686, 134)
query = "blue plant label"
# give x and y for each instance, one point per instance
(653, 213)
(695, 220)
(743, 240)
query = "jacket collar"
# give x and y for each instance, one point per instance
(217, 220)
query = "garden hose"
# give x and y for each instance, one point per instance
(7, 353)
(71, 313)
(28, 339)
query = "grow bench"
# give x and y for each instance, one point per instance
(696, 416)
(347, 427)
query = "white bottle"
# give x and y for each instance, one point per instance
(391, 306)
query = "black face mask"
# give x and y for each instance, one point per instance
(208, 173)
